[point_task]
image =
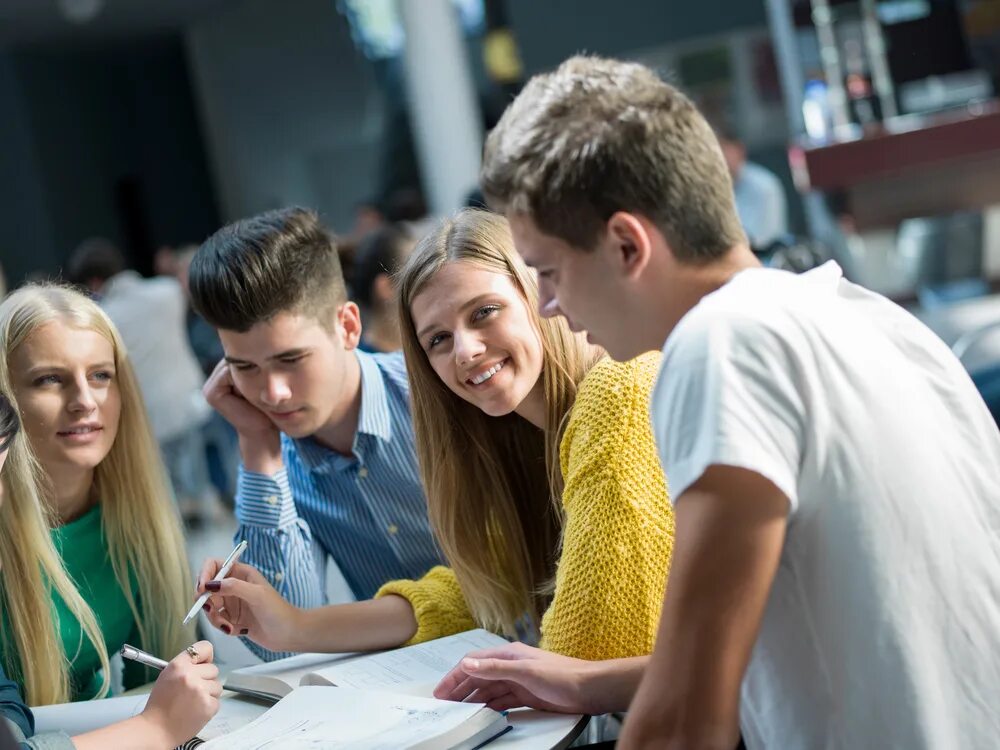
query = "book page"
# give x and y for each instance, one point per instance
(311, 718)
(414, 670)
(280, 677)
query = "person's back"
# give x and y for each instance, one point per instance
(889, 579)
(151, 316)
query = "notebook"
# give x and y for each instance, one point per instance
(340, 717)
(414, 670)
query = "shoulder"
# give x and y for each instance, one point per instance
(751, 314)
(612, 389)
(392, 368)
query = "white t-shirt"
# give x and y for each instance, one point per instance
(882, 629)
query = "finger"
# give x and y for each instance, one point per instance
(234, 587)
(450, 684)
(209, 671)
(208, 571)
(458, 690)
(204, 652)
(215, 688)
(488, 692)
(219, 622)
(505, 703)
(499, 669)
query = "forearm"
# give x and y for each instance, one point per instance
(609, 686)
(137, 733)
(387, 622)
(261, 454)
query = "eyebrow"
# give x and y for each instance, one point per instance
(471, 303)
(108, 364)
(280, 355)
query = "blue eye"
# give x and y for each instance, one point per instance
(46, 380)
(103, 375)
(485, 311)
(436, 339)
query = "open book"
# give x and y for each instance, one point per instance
(329, 717)
(414, 670)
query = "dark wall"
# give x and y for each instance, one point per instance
(117, 147)
(550, 31)
(25, 230)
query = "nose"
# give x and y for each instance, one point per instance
(82, 400)
(468, 346)
(548, 303)
(275, 391)
(549, 307)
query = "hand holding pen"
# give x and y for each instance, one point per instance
(185, 696)
(245, 603)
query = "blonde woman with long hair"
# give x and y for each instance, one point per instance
(539, 465)
(91, 554)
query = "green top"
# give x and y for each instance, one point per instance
(84, 552)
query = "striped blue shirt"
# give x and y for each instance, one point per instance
(367, 511)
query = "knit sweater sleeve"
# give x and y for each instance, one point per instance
(438, 604)
(619, 526)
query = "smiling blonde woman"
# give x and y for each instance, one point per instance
(538, 461)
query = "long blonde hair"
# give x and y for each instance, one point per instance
(493, 484)
(140, 522)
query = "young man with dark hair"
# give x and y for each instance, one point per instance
(835, 579)
(329, 468)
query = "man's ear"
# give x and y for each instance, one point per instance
(629, 243)
(349, 322)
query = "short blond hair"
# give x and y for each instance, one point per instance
(598, 136)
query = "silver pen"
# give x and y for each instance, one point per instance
(137, 654)
(223, 572)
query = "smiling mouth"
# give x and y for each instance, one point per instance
(488, 374)
(81, 430)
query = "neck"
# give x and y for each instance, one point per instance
(688, 283)
(70, 493)
(532, 407)
(339, 430)
(382, 333)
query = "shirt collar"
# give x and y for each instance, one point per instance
(374, 417)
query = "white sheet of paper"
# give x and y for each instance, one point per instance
(415, 670)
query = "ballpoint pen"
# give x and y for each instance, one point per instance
(223, 572)
(137, 654)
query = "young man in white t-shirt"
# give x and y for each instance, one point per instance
(836, 571)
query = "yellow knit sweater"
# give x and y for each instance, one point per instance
(618, 531)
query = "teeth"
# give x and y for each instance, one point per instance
(80, 430)
(488, 374)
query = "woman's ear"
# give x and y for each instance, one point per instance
(349, 323)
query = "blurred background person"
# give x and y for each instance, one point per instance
(151, 316)
(760, 196)
(377, 258)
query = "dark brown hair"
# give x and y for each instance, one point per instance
(253, 269)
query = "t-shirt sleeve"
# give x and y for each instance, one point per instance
(729, 393)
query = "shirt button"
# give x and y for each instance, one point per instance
(271, 500)
(279, 577)
(362, 472)
(393, 529)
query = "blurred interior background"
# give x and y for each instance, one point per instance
(866, 131)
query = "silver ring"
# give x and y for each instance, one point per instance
(192, 652)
